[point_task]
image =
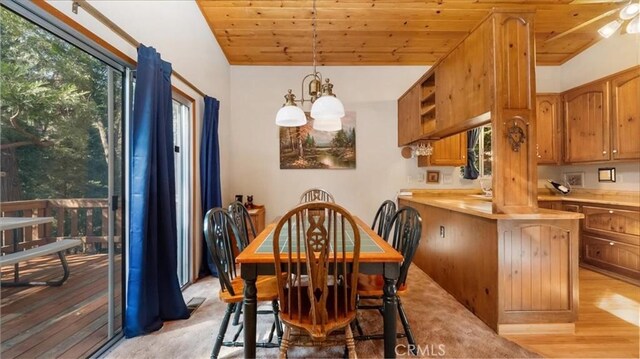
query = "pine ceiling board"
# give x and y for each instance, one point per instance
(383, 31)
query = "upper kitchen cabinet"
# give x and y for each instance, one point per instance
(586, 115)
(602, 119)
(549, 129)
(449, 151)
(409, 129)
(625, 114)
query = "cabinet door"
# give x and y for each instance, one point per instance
(586, 121)
(409, 126)
(611, 255)
(449, 151)
(625, 102)
(548, 128)
(571, 208)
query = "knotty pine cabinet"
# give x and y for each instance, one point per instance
(611, 240)
(625, 115)
(602, 119)
(409, 129)
(449, 151)
(549, 129)
(586, 126)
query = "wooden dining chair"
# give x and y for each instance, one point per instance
(220, 230)
(316, 195)
(242, 220)
(405, 230)
(383, 218)
(317, 249)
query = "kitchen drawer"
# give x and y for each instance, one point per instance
(613, 256)
(619, 224)
(571, 208)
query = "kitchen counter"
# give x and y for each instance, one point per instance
(512, 270)
(471, 204)
(629, 199)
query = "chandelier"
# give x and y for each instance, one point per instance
(326, 109)
(629, 13)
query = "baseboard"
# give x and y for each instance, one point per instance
(610, 274)
(542, 328)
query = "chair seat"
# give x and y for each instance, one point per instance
(372, 285)
(337, 317)
(267, 290)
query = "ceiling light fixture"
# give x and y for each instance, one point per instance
(326, 109)
(609, 29)
(629, 13)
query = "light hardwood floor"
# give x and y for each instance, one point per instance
(607, 327)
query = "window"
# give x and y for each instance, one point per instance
(181, 120)
(483, 150)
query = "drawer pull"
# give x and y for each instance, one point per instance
(610, 243)
(610, 212)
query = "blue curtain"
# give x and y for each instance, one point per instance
(153, 293)
(209, 172)
(470, 170)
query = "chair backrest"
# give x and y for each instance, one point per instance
(316, 195)
(317, 250)
(219, 229)
(242, 220)
(383, 218)
(406, 227)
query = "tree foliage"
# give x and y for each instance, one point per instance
(53, 114)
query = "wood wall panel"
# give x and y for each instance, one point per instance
(514, 170)
(538, 269)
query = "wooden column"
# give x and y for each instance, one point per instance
(513, 121)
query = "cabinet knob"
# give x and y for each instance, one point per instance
(614, 151)
(610, 243)
(610, 212)
(604, 153)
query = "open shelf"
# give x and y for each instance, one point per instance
(428, 104)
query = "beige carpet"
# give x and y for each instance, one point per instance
(442, 328)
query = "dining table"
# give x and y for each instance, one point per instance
(376, 257)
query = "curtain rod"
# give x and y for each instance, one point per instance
(123, 34)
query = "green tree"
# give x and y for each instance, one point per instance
(53, 115)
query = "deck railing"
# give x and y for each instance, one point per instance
(82, 218)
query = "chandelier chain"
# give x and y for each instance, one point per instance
(313, 21)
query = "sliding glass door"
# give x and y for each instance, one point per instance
(61, 141)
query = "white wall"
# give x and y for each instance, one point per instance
(372, 92)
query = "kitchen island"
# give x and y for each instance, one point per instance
(516, 272)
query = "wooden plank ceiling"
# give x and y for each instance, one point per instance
(385, 32)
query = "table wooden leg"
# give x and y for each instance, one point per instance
(249, 274)
(389, 303)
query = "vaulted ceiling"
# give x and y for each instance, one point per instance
(388, 32)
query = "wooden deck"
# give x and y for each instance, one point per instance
(68, 321)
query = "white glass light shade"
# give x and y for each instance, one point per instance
(327, 107)
(630, 11)
(610, 28)
(290, 116)
(328, 125)
(634, 26)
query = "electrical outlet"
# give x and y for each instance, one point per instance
(421, 177)
(409, 179)
(447, 179)
(441, 231)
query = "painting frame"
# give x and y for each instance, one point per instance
(304, 147)
(574, 179)
(433, 176)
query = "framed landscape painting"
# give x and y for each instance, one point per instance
(305, 148)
